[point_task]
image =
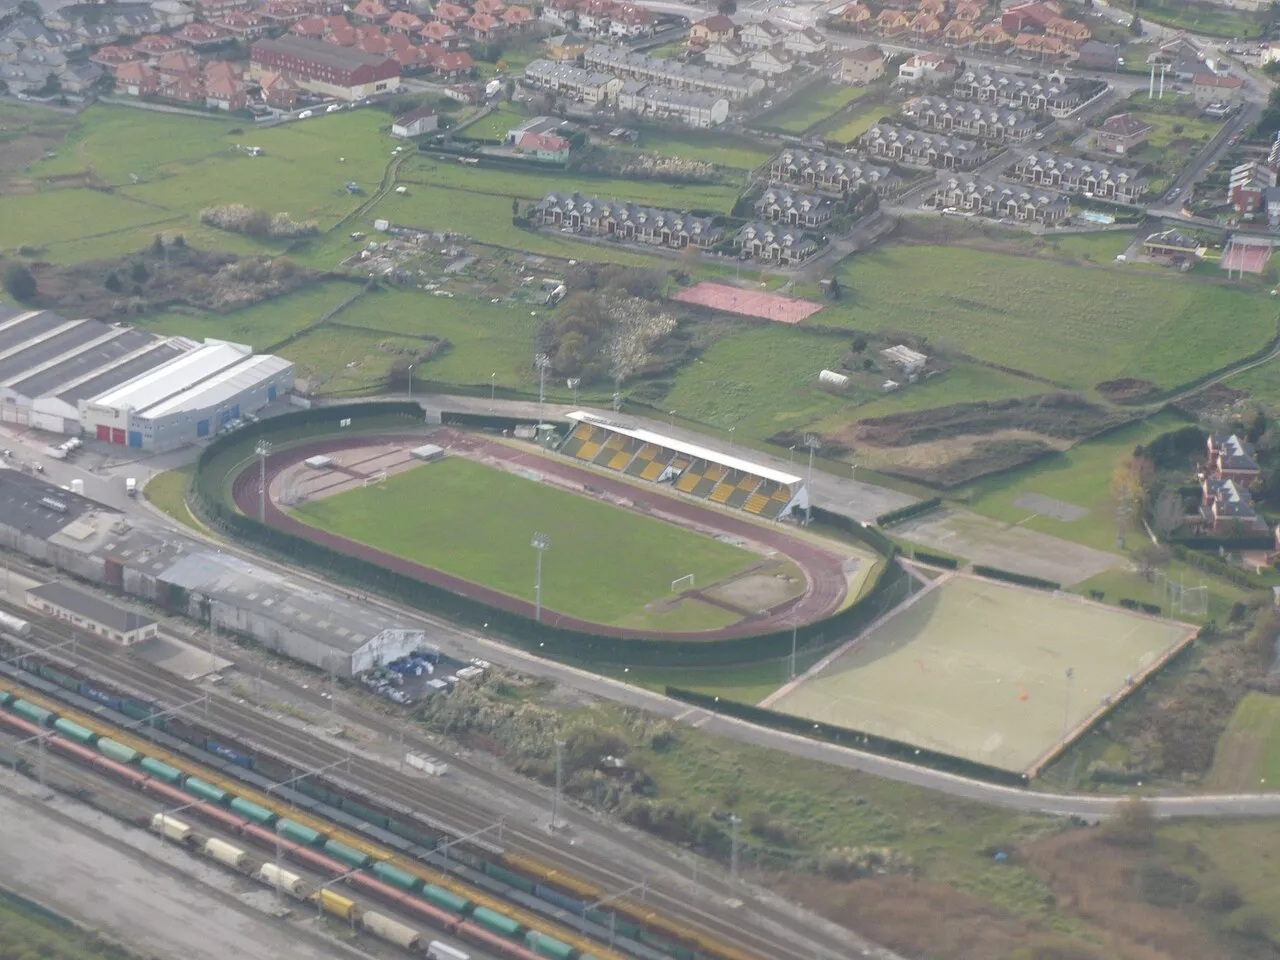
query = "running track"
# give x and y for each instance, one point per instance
(823, 570)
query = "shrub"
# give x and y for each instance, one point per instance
(1134, 825)
(20, 282)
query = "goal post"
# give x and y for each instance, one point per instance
(375, 478)
(679, 582)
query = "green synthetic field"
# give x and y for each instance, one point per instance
(978, 670)
(476, 522)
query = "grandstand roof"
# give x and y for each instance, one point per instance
(175, 377)
(690, 449)
(221, 387)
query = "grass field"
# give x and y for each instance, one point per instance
(495, 125)
(811, 107)
(1205, 18)
(979, 670)
(475, 522)
(77, 224)
(1248, 755)
(728, 151)
(849, 125)
(1076, 325)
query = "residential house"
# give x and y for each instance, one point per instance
(927, 67)
(1248, 186)
(1096, 55)
(807, 42)
(284, 13)
(1072, 31)
(547, 147)
(561, 14)
(415, 123)
(1207, 88)
(279, 93)
(781, 204)
(137, 79)
(95, 34)
(136, 23)
(763, 34)
(726, 54)
(245, 26)
(370, 11)
(1047, 48)
(172, 13)
(484, 26)
(177, 64)
(835, 174)
(213, 9)
(1172, 246)
(862, 65)
(925, 28)
(625, 63)
(1030, 16)
(1272, 201)
(959, 33)
(225, 92)
(992, 38)
(202, 36)
(714, 29)
(1007, 201)
(81, 77)
(1122, 133)
(775, 243)
(1230, 458)
(1054, 94)
(1227, 508)
(595, 16)
(771, 62)
(969, 11)
(919, 148)
(109, 56)
(184, 89)
(856, 16)
(157, 45)
(1075, 175)
(492, 7)
(517, 18)
(447, 64)
(8, 51)
(25, 77)
(445, 36)
(936, 8)
(984, 121)
(630, 20)
(592, 86)
(628, 221)
(892, 23)
(661, 102)
(452, 14)
(402, 21)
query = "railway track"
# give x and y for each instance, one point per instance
(464, 815)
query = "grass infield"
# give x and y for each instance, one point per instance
(978, 670)
(604, 564)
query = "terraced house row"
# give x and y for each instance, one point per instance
(1075, 175)
(837, 174)
(627, 221)
(1012, 201)
(986, 122)
(624, 63)
(1054, 94)
(920, 148)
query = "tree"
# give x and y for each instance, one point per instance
(30, 8)
(859, 343)
(1167, 515)
(727, 7)
(180, 242)
(113, 282)
(1149, 558)
(1135, 26)
(157, 245)
(20, 282)
(139, 272)
(515, 207)
(1134, 824)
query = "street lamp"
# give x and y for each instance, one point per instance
(731, 429)
(411, 381)
(263, 450)
(813, 442)
(493, 377)
(541, 543)
(542, 362)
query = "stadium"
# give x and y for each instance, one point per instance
(640, 534)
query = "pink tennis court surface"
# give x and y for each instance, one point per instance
(749, 303)
(1246, 255)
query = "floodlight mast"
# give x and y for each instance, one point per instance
(540, 543)
(813, 442)
(263, 450)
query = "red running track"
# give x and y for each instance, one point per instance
(824, 570)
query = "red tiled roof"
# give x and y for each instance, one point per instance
(1213, 80)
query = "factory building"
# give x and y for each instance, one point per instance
(102, 546)
(49, 364)
(189, 398)
(90, 613)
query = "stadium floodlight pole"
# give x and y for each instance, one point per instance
(671, 417)
(542, 362)
(731, 429)
(263, 450)
(812, 441)
(540, 543)
(493, 384)
(411, 382)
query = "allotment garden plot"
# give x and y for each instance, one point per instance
(992, 673)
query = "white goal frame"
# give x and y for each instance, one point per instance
(675, 584)
(378, 477)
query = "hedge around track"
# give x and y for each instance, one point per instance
(581, 646)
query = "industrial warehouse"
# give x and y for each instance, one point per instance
(91, 541)
(125, 386)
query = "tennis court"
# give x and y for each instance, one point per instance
(987, 671)
(1246, 255)
(749, 303)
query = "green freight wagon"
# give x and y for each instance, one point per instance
(545, 946)
(362, 812)
(317, 792)
(298, 833)
(615, 923)
(161, 770)
(396, 877)
(247, 808)
(205, 791)
(117, 751)
(413, 834)
(506, 876)
(445, 899)
(58, 677)
(496, 922)
(137, 711)
(29, 711)
(6, 698)
(74, 731)
(348, 855)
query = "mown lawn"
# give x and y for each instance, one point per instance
(495, 125)
(811, 107)
(59, 220)
(1248, 755)
(728, 151)
(1075, 325)
(477, 522)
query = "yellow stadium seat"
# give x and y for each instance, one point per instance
(588, 451)
(619, 460)
(687, 482)
(755, 503)
(653, 471)
(721, 493)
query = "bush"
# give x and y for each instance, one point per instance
(907, 512)
(1134, 825)
(20, 282)
(995, 573)
(237, 218)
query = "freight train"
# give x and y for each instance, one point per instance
(523, 880)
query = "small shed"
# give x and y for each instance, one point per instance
(319, 463)
(427, 452)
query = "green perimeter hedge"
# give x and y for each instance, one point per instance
(935, 559)
(869, 535)
(889, 587)
(845, 736)
(907, 512)
(1022, 579)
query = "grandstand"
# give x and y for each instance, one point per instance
(690, 469)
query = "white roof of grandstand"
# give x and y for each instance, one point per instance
(690, 449)
(174, 377)
(221, 387)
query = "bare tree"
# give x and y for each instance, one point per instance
(1167, 515)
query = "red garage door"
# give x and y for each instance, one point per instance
(104, 433)
(117, 436)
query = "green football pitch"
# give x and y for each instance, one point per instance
(979, 670)
(604, 563)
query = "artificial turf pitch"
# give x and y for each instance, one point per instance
(604, 563)
(978, 670)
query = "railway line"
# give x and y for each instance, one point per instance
(309, 751)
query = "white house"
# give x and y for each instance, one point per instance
(415, 123)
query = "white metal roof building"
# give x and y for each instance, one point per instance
(48, 364)
(191, 397)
